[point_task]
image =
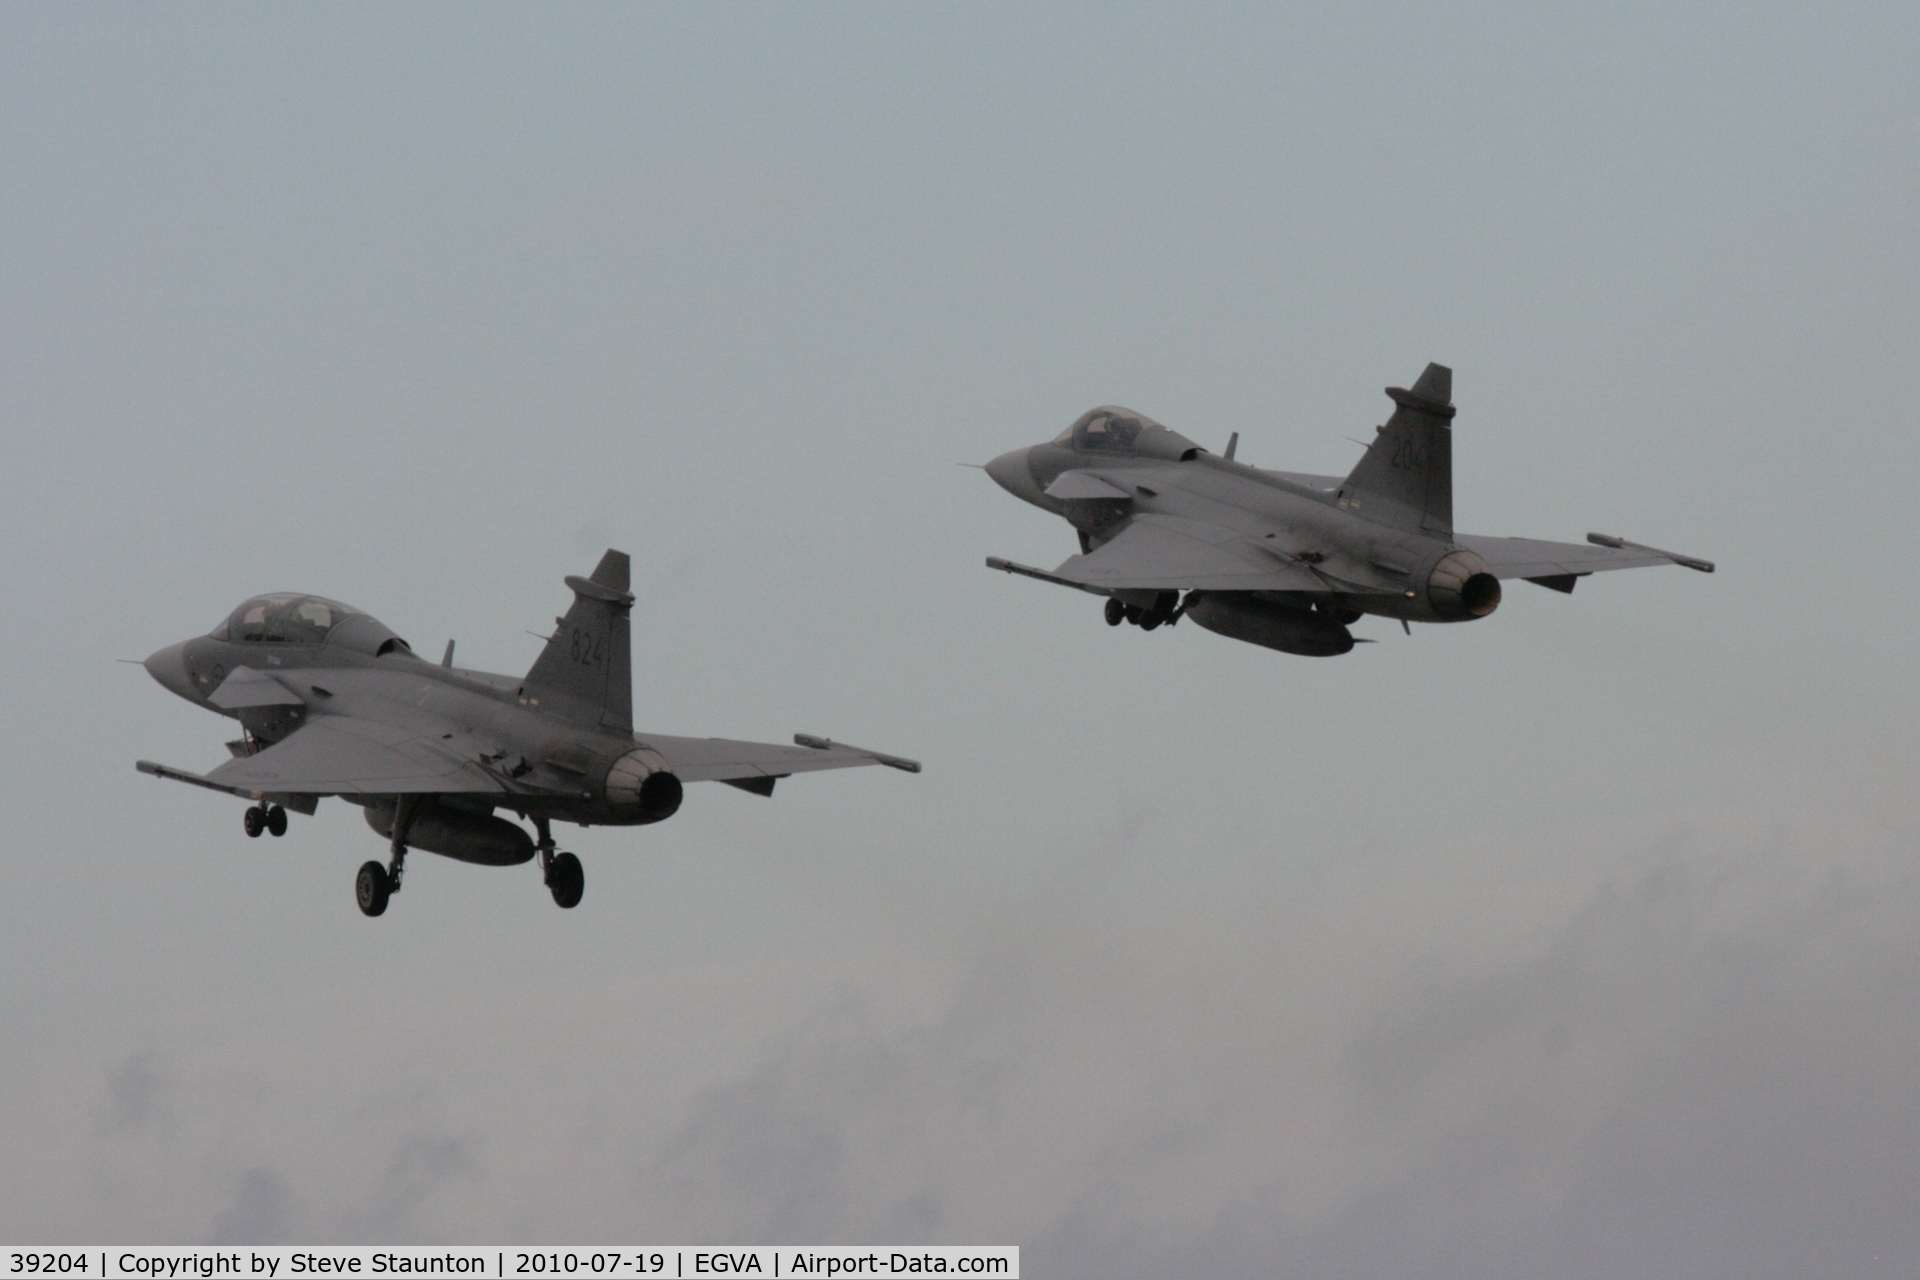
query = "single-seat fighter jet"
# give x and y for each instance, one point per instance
(332, 703)
(1278, 558)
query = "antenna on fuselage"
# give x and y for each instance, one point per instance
(1233, 442)
(447, 660)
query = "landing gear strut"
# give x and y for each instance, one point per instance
(375, 883)
(561, 871)
(270, 818)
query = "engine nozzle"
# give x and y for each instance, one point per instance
(639, 783)
(1460, 589)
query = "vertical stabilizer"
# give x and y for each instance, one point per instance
(588, 661)
(1405, 479)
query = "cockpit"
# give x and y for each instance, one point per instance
(289, 618)
(1110, 429)
(284, 618)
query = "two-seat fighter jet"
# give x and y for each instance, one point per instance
(332, 703)
(1278, 558)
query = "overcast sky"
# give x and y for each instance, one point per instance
(1579, 941)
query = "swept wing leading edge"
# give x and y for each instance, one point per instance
(1171, 553)
(345, 755)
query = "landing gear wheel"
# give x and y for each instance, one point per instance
(566, 880)
(1116, 612)
(256, 822)
(276, 821)
(372, 888)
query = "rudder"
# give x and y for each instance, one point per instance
(588, 660)
(1405, 478)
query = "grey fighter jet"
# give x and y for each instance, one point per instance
(332, 703)
(1278, 558)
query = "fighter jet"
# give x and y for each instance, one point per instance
(1279, 558)
(332, 703)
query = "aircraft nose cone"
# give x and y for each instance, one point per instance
(169, 667)
(1011, 472)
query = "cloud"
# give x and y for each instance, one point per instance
(139, 1094)
(423, 1166)
(1678, 1084)
(1682, 1055)
(261, 1213)
(1704, 1068)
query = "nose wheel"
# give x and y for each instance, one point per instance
(268, 818)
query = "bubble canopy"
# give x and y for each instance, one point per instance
(284, 618)
(1112, 429)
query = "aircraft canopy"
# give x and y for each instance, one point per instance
(284, 618)
(1108, 429)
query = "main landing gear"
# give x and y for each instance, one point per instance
(270, 818)
(1164, 609)
(371, 890)
(562, 871)
(375, 883)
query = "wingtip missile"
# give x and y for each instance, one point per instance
(818, 743)
(1621, 544)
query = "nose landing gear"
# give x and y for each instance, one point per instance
(560, 871)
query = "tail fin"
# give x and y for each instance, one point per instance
(588, 660)
(1405, 478)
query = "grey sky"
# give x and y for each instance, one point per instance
(1577, 941)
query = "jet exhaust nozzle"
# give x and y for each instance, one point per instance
(1273, 626)
(1460, 589)
(459, 834)
(640, 787)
